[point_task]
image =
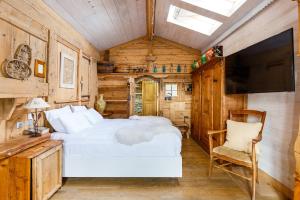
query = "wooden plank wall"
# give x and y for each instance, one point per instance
(167, 52)
(33, 23)
(116, 94)
(134, 53)
(283, 108)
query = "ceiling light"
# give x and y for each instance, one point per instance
(192, 20)
(223, 7)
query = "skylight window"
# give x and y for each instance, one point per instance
(223, 7)
(192, 20)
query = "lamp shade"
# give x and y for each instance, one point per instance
(36, 103)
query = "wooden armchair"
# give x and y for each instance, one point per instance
(229, 156)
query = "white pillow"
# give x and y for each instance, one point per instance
(54, 115)
(78, 108)
(240, 134)
(93, 116)
(75, 122)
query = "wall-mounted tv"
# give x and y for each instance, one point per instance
(267, 66)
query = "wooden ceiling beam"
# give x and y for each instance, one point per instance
(150, 14)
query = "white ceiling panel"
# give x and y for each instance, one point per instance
(108, 23)
(105, 23)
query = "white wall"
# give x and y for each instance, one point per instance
(277, 157)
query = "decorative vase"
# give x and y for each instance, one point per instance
(178, 69)
(154, 69)
(194, 65)
(164, 69)
(203, 59)
(101, 104)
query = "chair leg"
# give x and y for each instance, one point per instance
(211, 166)
(254, 178)
(257, 180)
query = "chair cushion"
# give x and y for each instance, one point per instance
(240, 135)
(236, 155)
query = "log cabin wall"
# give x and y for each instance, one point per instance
(33, 23)
(134, 53)
(281, 127)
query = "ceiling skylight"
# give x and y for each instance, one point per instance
(192, 20)
(223, 7)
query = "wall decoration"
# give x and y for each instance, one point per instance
(100, 104)
(19, 67)
(164, 68)
(178, 69)
(154, 69)
(68, 70)
(40, 69)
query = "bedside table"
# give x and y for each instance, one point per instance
(106, 114)
(35, 173)
(184, 128)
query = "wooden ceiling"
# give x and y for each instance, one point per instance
(107, 23)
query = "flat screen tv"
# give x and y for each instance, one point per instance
(267, 66)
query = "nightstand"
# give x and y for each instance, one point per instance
(184, 128)
(106, 114)
(32, 168)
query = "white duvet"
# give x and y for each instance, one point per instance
(162, 139)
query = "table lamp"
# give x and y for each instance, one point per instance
(36, 103)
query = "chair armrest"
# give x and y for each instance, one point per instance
(256, 140)
(212, 132)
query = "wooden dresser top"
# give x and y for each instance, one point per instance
(19, 144)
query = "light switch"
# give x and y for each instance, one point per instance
(29, 116)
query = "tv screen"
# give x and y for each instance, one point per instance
(267, 66)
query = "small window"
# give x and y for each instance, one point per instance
(171, 90)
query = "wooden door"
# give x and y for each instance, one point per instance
(217, 96)
(196, 106)
(207, 106)
(46, 173)
(149, 90)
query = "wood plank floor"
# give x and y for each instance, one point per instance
(195, 185)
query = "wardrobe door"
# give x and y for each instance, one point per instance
(207, 106)
(217, 96)
(196, 106)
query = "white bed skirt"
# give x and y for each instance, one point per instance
(122, 167)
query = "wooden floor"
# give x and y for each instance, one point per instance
(195, 185)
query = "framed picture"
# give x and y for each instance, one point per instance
(67, 71)
(40, 69)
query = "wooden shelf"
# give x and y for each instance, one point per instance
(136, 75)
(19, 144)
(22, 88)
(124, 100)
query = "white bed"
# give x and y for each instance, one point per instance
(95, 152)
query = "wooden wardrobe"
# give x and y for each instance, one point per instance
(210, 105)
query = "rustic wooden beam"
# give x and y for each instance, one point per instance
(297, 143)
(150, 12)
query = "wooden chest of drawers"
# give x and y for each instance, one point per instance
(33, 174)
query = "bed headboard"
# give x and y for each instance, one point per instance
(61, 104)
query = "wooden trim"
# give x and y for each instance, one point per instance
(150, 13)
(208, 64)
(69, 101)
(284, 190)
(67, 43)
